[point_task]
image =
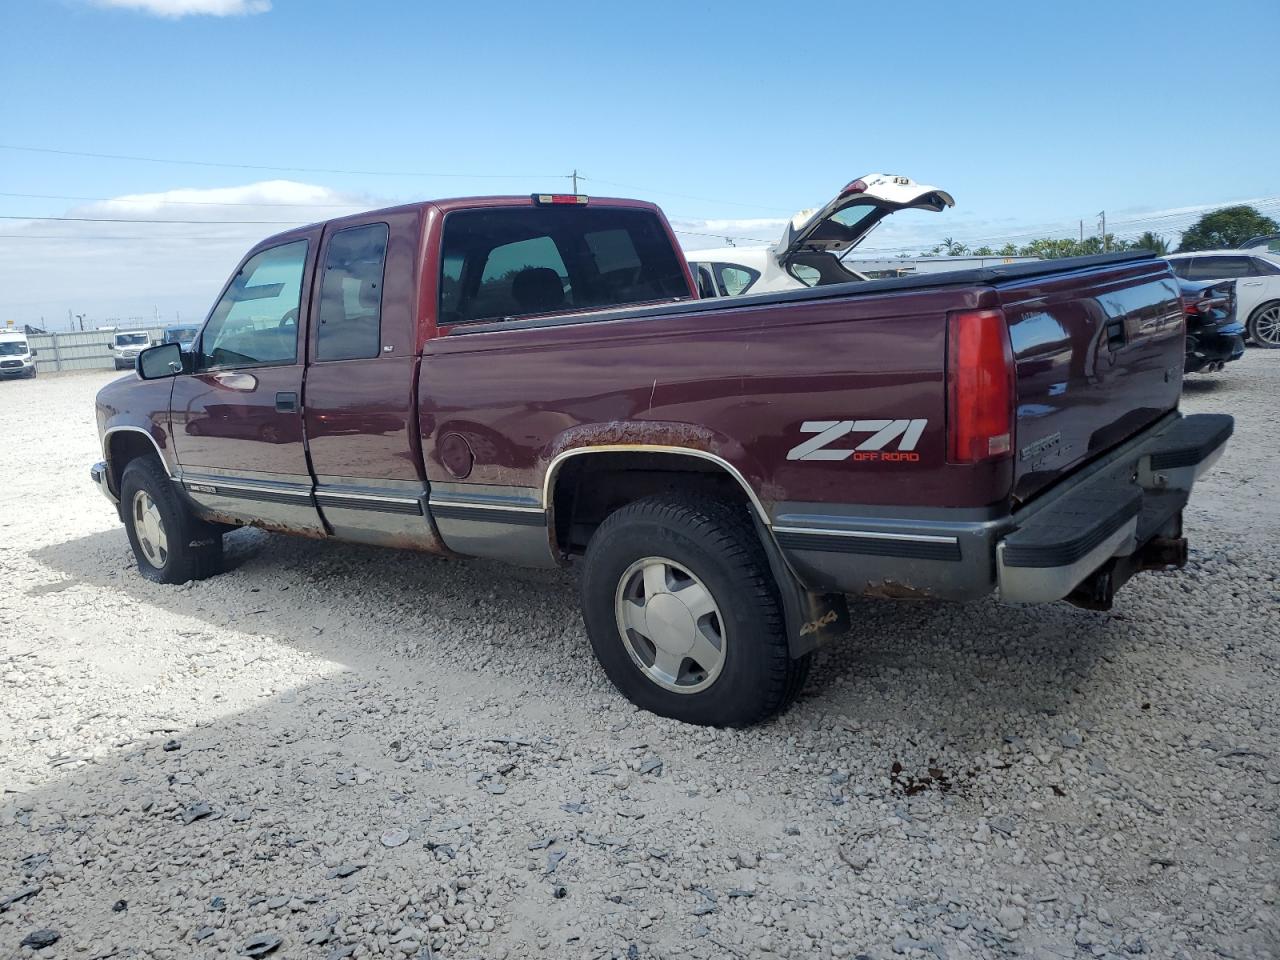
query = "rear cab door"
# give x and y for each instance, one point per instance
(237, 416)
(359, 393)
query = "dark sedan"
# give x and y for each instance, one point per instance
(1214, 336)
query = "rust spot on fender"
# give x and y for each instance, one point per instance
(652, 432)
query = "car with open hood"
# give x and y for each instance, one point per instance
(814, 242)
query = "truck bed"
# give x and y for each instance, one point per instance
(981, 276)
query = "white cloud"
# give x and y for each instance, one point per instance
(173, 9)
(134, 268)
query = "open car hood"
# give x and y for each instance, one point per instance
(843, 222)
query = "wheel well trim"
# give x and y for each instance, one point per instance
(553, 468)
(106, 444)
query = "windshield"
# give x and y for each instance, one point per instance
(130, 339)
(12, 348)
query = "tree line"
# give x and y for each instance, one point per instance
(1221, 229)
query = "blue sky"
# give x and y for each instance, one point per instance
(732, 116)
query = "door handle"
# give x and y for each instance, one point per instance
(286, 403)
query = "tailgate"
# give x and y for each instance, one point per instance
(1099, 354)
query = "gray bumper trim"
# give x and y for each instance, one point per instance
(98, 473)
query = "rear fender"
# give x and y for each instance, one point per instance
(811, 619)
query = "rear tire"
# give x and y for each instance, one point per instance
(1264, 325)
(170, 543)
(684, 615)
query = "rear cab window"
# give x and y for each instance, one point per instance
(517, 262)
(350, 315)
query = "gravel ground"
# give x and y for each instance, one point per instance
(335, 751)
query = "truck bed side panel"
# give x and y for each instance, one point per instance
(747, 384)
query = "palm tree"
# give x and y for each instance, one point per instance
(1153, 242)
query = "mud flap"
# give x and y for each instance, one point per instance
(812, 619)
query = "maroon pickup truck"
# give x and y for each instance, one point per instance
(533, 379)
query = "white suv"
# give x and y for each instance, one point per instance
(1257, 277)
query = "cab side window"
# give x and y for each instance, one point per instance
(350, 315)
(256, 321)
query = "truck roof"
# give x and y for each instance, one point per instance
(448, 205)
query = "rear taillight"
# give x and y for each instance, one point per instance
(980, 387)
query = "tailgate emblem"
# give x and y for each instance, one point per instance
(882, 434)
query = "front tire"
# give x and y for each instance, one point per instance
(170, 543)
(1264, 325)
(684, 615)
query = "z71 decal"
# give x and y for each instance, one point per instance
(882, 433)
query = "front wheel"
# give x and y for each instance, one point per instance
(1264, 325)
(684, 615)
(170, 543)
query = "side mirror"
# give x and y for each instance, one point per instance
(155, 363)
(34, 352)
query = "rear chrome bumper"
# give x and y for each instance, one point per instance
(1125, 505)
(1113, 514)
(98, 474)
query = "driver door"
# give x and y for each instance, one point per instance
(237, 418)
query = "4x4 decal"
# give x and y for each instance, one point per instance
(882, 433)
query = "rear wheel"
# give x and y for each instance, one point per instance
(684, 615)
(170, 543)
(1264, 325)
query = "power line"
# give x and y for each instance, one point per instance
(10, 216)
(685, 196)
(718, 236)
(152, 239)
(287, 169)
(202, 203)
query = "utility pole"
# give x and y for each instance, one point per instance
(1102, 214)
(71, 324)
(1081, 234)
(575, 179)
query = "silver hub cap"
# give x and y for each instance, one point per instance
(150, 529)
(1267, 326)
(670, 625)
